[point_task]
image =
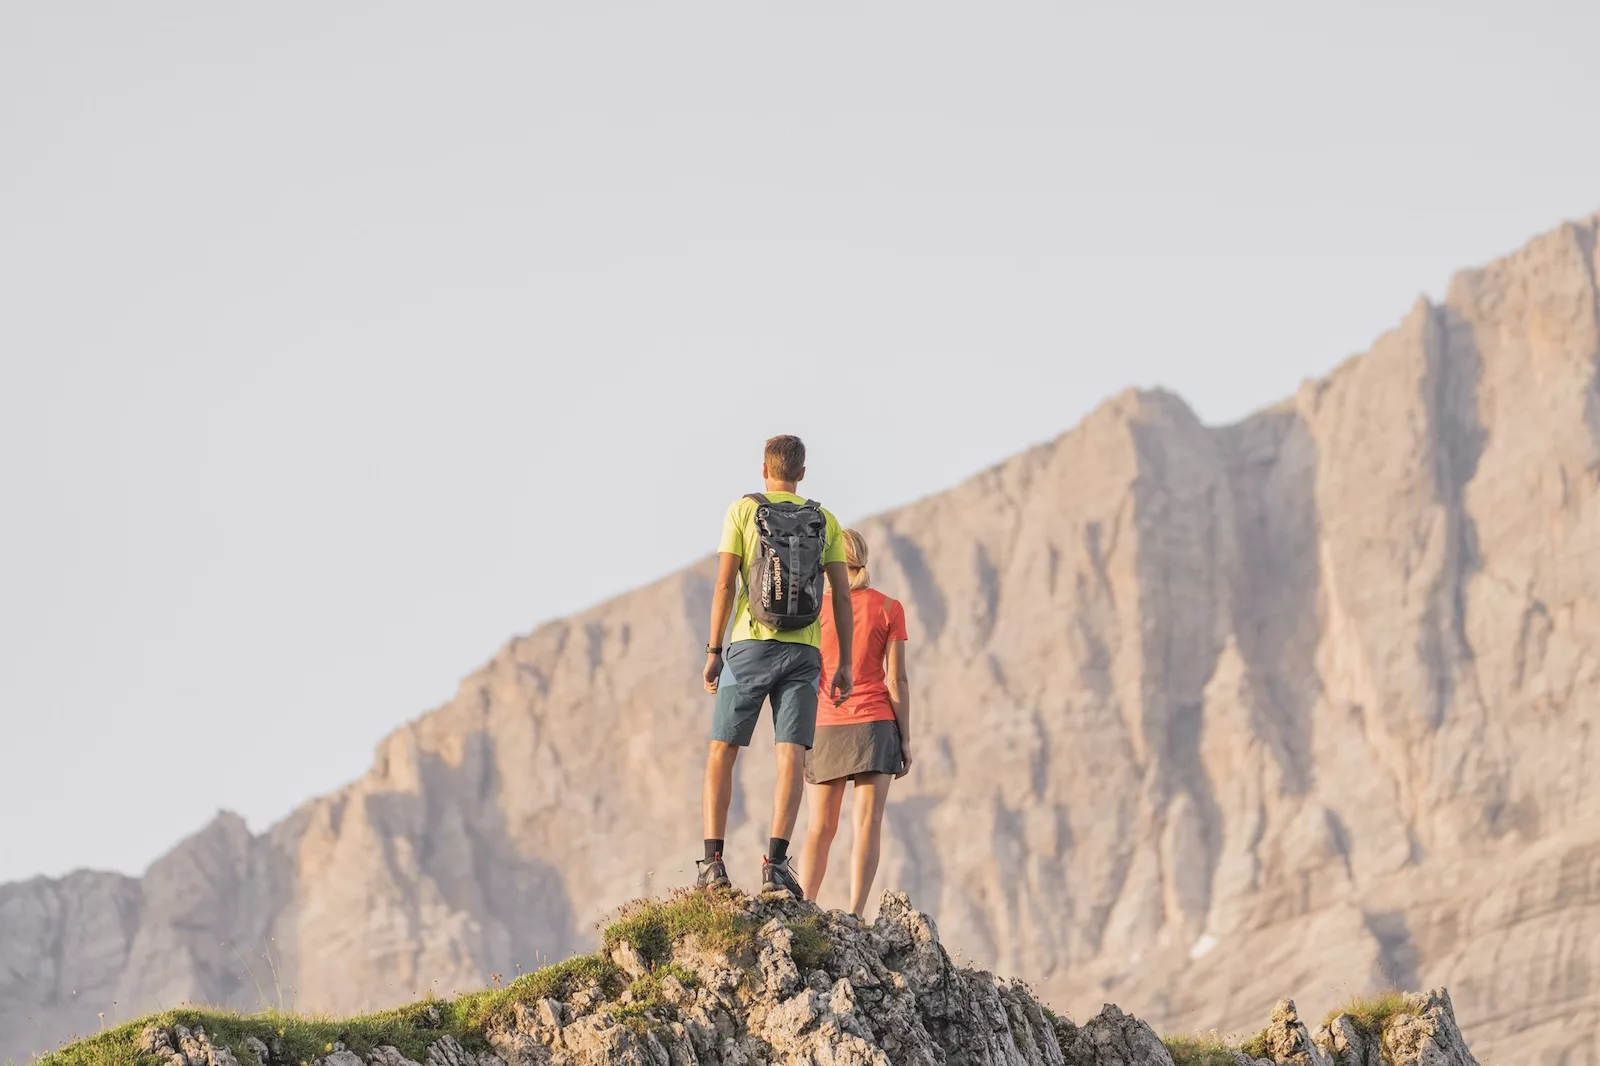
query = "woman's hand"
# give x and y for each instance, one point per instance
(905, 760)
(713, 670)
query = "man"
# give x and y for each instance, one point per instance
(775, 548)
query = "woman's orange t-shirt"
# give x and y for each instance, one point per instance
(878, 620)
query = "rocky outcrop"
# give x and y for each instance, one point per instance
(1304, 705)
(881, 995)
(182, 1046)
(1286, 1039)
(1424, 1031)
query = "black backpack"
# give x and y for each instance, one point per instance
(784, 582)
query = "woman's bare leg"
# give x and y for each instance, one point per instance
(825, 801)
(866, 810)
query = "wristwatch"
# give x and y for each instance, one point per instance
(712, 649)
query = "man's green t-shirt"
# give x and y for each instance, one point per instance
(739, 537)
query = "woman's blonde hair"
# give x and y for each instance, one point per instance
(855, 559)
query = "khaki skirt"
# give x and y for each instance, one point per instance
(841, 751)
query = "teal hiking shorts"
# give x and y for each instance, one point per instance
(758, 670)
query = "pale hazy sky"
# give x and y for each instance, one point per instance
(332, 335)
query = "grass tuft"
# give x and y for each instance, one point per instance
(1371, 1014)
(1256, 1046)
(647, 1001)
(478, 1010)
(1198, 1051)
(654, 926)
(302, 1038)
(808, 944)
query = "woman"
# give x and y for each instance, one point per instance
(867, 739)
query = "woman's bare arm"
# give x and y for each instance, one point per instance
(900, 699)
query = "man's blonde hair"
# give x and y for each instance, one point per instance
(855, 558)
(785, 457)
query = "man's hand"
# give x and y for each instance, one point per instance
(905, 759)
(713, 670)
(843, 682)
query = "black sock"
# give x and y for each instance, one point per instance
(713, 849)
(777, 849)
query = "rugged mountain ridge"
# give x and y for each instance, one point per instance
(1300, 705)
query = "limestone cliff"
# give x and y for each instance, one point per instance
(1300, 705)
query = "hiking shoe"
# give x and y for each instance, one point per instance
(779, 877)
(712, 874)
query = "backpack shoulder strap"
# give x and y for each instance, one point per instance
(813, 505)
(759, 497)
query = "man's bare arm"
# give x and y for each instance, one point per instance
(722, 594)
(844, 627)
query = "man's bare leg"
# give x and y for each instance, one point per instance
(718, 790)
(776, 873)
(786, 794)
